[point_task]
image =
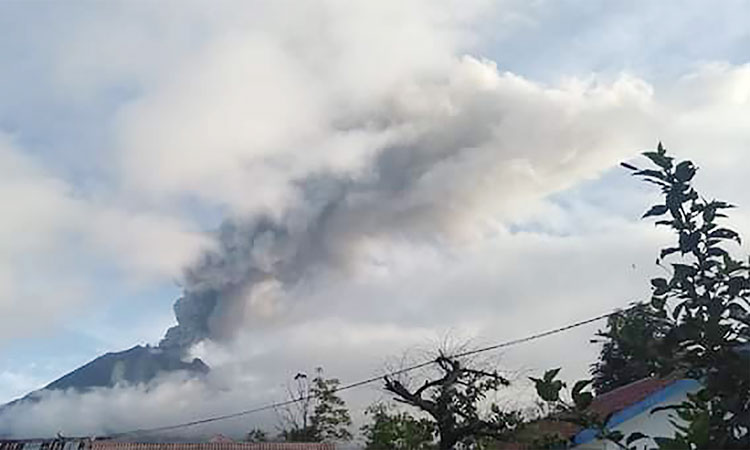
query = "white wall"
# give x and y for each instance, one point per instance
(656, 424)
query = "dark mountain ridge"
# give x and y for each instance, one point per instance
(137, 365)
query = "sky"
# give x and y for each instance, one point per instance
(456, 160)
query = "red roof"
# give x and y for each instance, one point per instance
(624, 396)
(611, 402)
(555, 428)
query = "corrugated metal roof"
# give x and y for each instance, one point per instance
(624, 396)
(111, 445)
(46, 444)
(88, 444)
(609, 403)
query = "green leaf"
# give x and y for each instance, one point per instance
(722, 205)
(709, 213)
(674, 201)
(583, 400)
(671, 444)
(735, 286)
(651, 173)
(678, 309)
(663, 184)
(689, 241)
(684, 171)
(628, 166)
(668, 251)
(660, 286)
(657, 210)
(683, 270)
(615, 435)
(635, 437)
(551, 374)
(658, 302)
(659, 159)
(581, 385)
(549, 390)
(725, 233)
(666, 408)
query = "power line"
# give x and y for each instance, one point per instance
(540, 335)
(367, 381)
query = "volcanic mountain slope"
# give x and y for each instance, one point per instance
(137, 365)
(134, 366)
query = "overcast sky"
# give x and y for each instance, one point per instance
(477, 143)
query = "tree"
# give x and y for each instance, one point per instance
(256, 435)
(572, 408)
(701, 315)
(317, 414)
(392, 430)
(453, 401)
(330, 418)
(295, 417)
(634, 346)
(707, 298)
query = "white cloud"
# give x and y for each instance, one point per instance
(269, 100)
(18, 382)
(52, 235)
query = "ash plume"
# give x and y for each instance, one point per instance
(334, 215)
(436, 176)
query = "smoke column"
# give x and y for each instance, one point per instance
(323, 233)
(433, 175)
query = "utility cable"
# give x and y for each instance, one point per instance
(369, 380)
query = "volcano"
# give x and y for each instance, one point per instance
(137, 365)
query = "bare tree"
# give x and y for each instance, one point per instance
(454, 400)
(294, 418)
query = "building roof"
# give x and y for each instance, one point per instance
(549, 427)
(640, 397)
(88, 444)
(630, 394)
(110, 445)
(619, 404)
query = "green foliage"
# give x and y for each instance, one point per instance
(549, 442)
(256, 435)
(547, 387)
(574, 410)
(697, 322)
(302, 434)
(392, 430)
(330, 418)
(707, 299)
(454, 402)
(318, 414)
(633, 347)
